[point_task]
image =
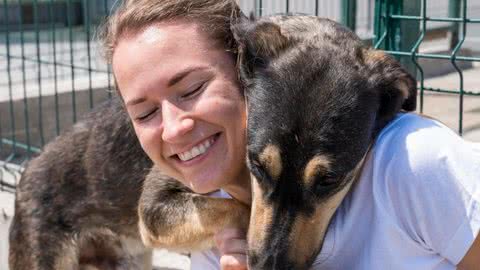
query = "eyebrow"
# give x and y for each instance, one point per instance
(184, 73)
(135, 101)
(174, 80)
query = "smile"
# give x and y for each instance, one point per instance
(197, 150)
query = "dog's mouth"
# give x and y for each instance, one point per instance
(197, 151)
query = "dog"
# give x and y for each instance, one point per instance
(316, 99)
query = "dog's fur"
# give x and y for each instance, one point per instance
(76, 204)
(316, 100)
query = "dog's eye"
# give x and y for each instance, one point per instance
(327, 182)
(258, 171)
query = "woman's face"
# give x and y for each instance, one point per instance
(182, 94)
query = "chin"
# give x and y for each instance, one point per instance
(202, 188)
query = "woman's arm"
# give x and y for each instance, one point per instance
(471, 261)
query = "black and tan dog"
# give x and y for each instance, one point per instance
(316, 100)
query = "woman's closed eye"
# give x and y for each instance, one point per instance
(146, 115)
(193, 92)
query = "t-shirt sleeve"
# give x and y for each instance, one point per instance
(432, 184)
(204, 260)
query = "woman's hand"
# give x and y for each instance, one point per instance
(232, 244)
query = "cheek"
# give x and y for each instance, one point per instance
(149, 139)
(225, 107)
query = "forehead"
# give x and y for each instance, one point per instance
(150, 56)
(163, 38)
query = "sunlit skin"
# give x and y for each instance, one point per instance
(181, 90)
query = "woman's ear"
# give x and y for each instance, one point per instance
(258, 43)
(397, 89)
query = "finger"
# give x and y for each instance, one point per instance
(233, 262)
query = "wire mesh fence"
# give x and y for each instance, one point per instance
(401, 28)
(51, 71)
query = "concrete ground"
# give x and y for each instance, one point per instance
(446, 107)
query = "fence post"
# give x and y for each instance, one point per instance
(349, 13)
(394, 34)
(453, 12)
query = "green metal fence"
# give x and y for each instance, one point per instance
(400, 29)
(51, 72)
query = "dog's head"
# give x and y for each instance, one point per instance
(316, 98)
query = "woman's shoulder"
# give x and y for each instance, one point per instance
(416, 158)
(421, 142)
(425, 177)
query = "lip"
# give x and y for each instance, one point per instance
(201, 157)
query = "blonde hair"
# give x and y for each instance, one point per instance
(213, 16)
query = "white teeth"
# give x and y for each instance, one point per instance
(195, 151)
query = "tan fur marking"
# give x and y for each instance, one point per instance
(374, 55)
(269, 39)
(261, 216)
(68, 259)
(197, 230)
(308, 232)
(271, 159)
(319, 164)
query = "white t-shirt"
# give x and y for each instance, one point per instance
(415, 206)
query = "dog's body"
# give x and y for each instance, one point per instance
(77, 201)
(316, 99)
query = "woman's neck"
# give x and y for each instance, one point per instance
(241, 189)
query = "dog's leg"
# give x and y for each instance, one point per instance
(104, 249)
(34, 248)
(172, 216)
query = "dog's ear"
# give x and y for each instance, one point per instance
(398, 89)
(258, 43)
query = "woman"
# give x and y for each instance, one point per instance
(174, 64)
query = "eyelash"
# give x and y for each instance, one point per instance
(187, 95)
(146, 116)
(194, 91)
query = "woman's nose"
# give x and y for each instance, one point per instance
(175, 123)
